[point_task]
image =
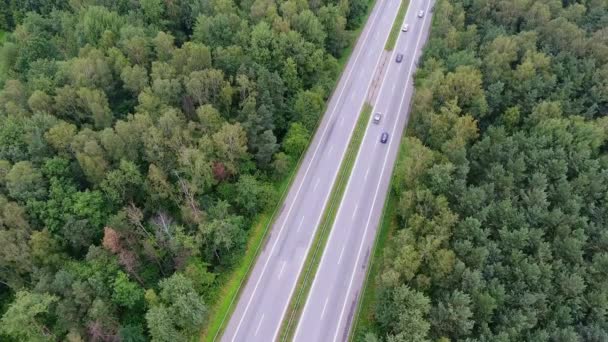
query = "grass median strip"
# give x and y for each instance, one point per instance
(392, 38)
(223, 308)
(314, 254)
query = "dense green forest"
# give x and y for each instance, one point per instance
(502, 214)
(138, 142)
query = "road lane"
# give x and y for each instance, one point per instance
(266, 295)
(342, 269)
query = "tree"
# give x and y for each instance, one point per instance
(356, 12)
(40, 102)
(24, 319)
(228, 59)
(123, 184)
(90, 156)
(197, 170)
(179, 312)
(191, 57)
(97, 20)
(132, 333)
(266, 148)
(91, 71)
(335, 26)
(164, 46)
(262, 44)
(307, 23)
(230, 144)
(453, 317)
(5, 167)
(125, 292)
(95, 103)
(208, 87)
(251, 195)
(135, 78)
(209, 118)
(296, 140)
(223, 234)
(13, 146)
(281, 164)
(15, 253)
(308, 107)
(291, 77)
(162, 326)
(25, 182)
(402, 311)
(153, 10)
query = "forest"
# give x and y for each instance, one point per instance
(139, 140)
(502, 194)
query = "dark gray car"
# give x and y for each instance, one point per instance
(384, 138)
(399, 58)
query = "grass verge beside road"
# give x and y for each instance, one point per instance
(314, 254)
(232, 284)
(364, 316)
(392, 38)
(222, 309)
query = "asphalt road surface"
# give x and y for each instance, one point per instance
(265, 297)
(331, 303)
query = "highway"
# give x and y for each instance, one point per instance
(332, 300)
(265, 296)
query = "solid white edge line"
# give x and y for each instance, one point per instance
(335, 174)
(331, 233)
(346, 80)
(379, 183)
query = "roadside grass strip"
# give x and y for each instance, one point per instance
(364, 315)
(236, 278)
(231, 288)
(313, 258)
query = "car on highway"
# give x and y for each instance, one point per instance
(399, 58)
(420, 14)
(384, 137)
(405, 28)
(377, 118)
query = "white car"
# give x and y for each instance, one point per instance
(405, 28)
(420, 14)
(377, 118)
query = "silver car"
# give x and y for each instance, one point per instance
(420, 14)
